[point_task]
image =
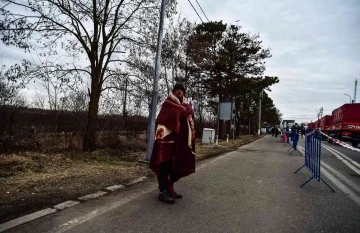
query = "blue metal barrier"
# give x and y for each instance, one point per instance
(295, 139)
(313, 156)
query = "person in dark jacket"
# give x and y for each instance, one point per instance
(298, 131)
(293, 128)
(302, 131)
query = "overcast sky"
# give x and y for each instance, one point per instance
(315, 46)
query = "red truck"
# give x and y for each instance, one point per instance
(325, 124)
(311, 125)
(345, 124)
(317, 124)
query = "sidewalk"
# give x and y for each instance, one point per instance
(249, 190)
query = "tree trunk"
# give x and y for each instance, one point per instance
(11, 122)
(89, 141)
(125, 98)
(167, 81)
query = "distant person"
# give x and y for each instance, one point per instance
(302, 131)
(276, 131)
(273, 131)
(293, 129)
(298, 132)
(173, 155)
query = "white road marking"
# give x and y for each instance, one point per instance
(342, 187)
(137, 180)
(302, 149)
(341, 176)
(66, 204)
(352, 167)
(84, 218)
(344, 156)
(92, 196)
(114, 188)
(338, 182)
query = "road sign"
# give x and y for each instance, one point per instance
(225, 111)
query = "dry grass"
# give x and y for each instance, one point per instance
(206, 151)
(30, 181)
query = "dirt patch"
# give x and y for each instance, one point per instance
(32, 181)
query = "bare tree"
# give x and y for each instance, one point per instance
(9, 92)
(75, 101)
(95, 29)
(39, 100)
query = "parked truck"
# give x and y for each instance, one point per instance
(345, 124)
(317, 124)
(311, 125)
(325, 124)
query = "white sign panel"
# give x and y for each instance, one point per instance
(225, 111)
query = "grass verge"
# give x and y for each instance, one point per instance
(32, 181)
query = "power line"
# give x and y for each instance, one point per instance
(195, 11)
(202, 10)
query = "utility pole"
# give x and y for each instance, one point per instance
(218, 124)
(151, 133)
(318, 114)
(354, 100)
(259, 124)
(232, 116)
(321, 112)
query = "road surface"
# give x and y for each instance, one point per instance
(253, 189)
(342, 163)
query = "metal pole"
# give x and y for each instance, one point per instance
(234, 130)
(234, 117)
(151, 133)
(318, 114)
(218, 124)
(231, 116)
(321, 112)
(259, 124)
(354, 100)
(349, 97)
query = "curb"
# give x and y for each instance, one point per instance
(27, 218)
(65, 205)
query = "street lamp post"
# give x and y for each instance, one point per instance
(318, 114)
(349, 97)
(151, 132)
(259, 124)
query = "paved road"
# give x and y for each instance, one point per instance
(249, 190)
(341, 162)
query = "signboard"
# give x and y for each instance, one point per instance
(225, 111)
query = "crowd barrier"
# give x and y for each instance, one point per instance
(341, 143)
(293, 144)
(313, 156)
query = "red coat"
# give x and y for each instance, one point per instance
(174, 146)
